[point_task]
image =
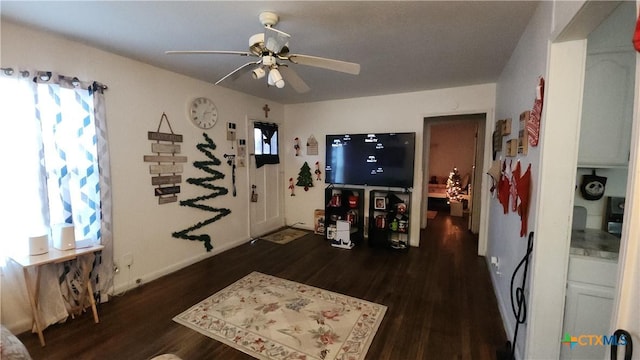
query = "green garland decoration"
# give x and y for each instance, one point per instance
(205, 182)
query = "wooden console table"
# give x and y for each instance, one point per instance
(52, 257)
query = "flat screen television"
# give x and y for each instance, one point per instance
(370, 159)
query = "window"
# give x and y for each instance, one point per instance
(265, 137)
(51, 157)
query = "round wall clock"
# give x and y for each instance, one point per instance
(203, 113)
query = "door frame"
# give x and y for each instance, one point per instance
(482, 192)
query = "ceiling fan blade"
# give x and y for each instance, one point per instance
(329, 64)
(293, 79)
(183, 52)
(238, 69)
(275, 40)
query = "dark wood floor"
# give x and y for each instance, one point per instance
(439, 297)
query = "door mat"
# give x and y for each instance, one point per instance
(285, 236)
(431, 214)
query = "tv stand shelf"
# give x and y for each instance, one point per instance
(344, 203)
(389, 219)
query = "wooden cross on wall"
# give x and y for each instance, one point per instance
(266, 110)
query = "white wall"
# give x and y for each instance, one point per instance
(138, 95)
(452, 144)
(515, 93)
(388, 113)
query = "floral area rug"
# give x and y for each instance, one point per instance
(272, 318)
(285, 236)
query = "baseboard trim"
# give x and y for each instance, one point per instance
(505, 311)
(119, 289)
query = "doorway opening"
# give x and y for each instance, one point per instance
(454, 154)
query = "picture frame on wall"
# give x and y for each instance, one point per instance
(380, 203)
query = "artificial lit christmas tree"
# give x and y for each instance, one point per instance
(454, 185)
(304, 177)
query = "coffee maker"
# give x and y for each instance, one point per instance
(614, 215)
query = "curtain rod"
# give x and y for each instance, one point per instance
(46, 76)
(9, 71)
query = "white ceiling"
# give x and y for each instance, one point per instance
(402, 46)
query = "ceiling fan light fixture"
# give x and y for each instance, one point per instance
(275, 79)
(268, 60)
(256, 44)
(256, 39)
(258, 73)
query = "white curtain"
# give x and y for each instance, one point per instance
(103, 277)
(58, 155)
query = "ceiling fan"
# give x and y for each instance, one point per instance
(271, 49)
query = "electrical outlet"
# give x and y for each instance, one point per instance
(495, 261)
(127, 259)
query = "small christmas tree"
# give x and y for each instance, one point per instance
(304, 177)
(454, 185)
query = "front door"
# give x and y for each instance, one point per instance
(266, 207)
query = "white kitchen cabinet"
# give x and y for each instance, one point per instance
(587, 312)
(589, 302)
(607, 111)
(607, 104)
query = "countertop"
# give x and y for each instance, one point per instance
(595, 243)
